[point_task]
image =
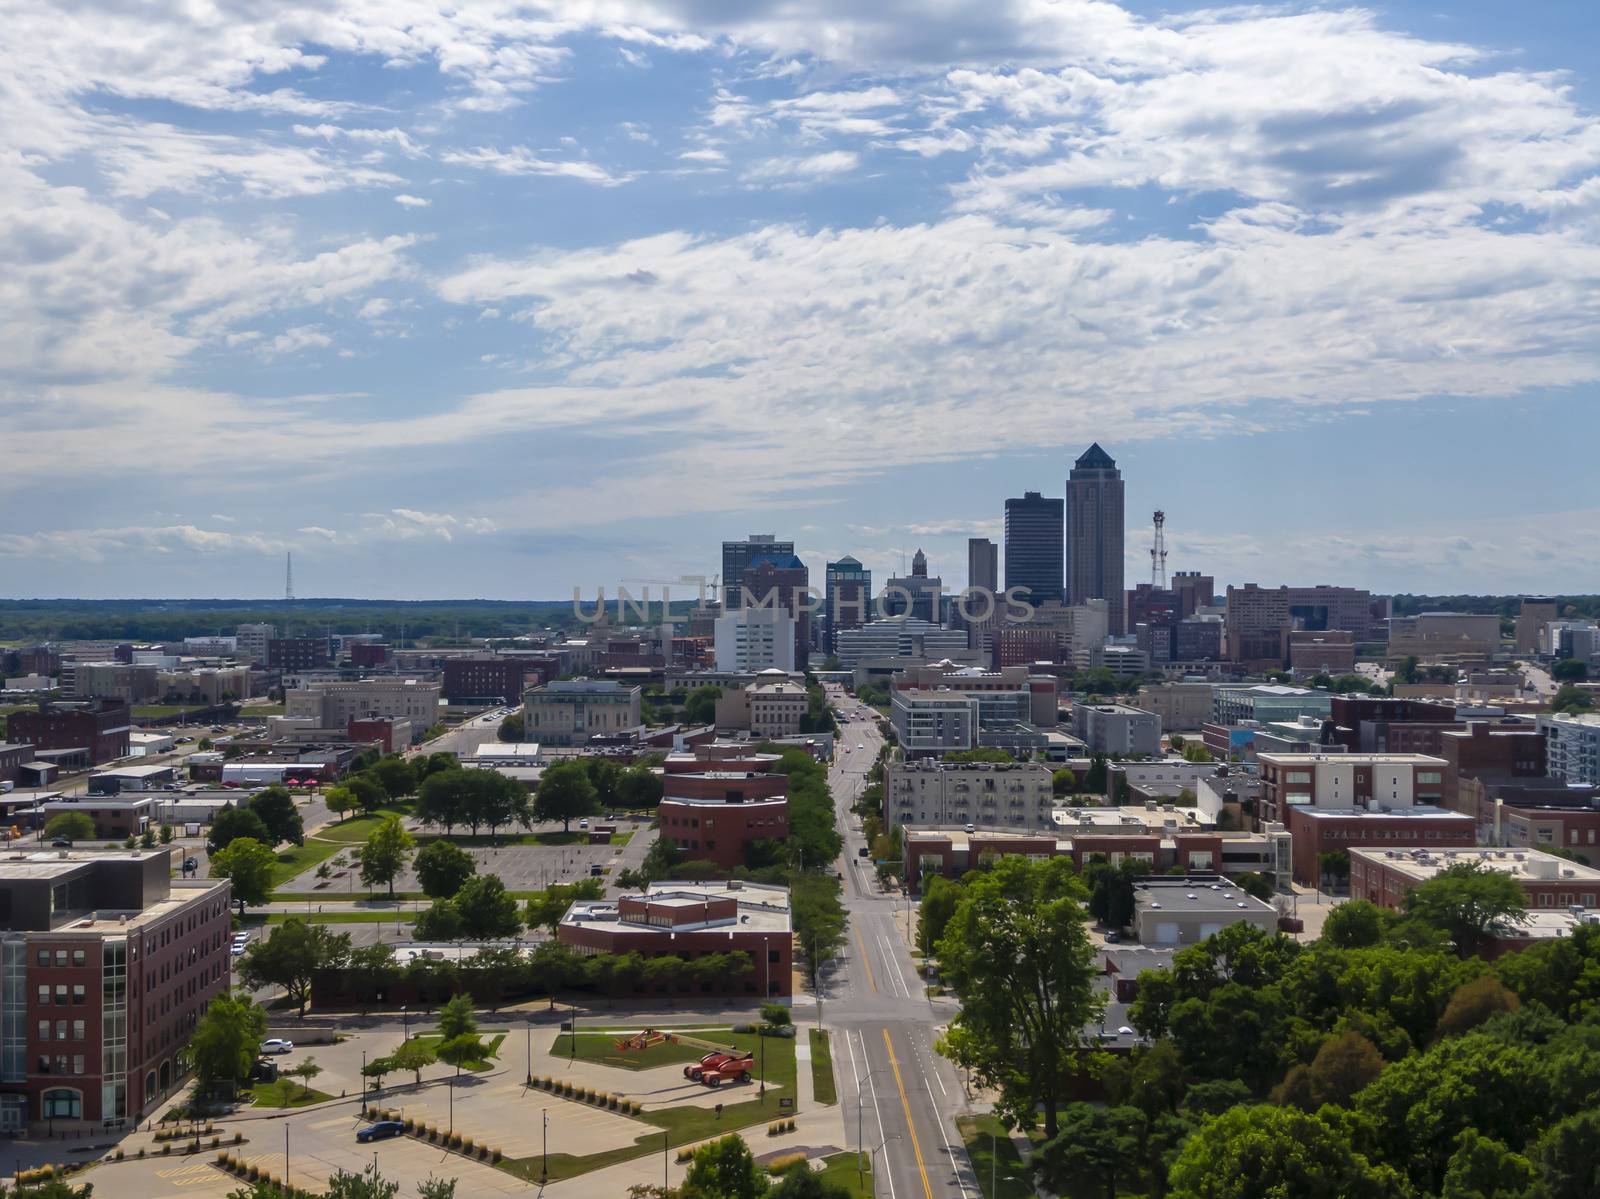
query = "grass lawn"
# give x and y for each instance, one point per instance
(353, 830)
(840, 1170)
(433, 1040)
(822, 1068)
(1009, 1174)
(622, 838)
(297, 859)
(602, 1048)
(689, 1123)
(286, 1092)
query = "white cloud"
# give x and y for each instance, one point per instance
(292, 341)
(519, 160)
(408, 201)
(809, 166)
(101, 545)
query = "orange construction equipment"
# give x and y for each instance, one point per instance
(645, 1039)
(717, 1068)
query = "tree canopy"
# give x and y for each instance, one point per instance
(565, 793)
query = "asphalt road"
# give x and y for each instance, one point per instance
(898, 1094)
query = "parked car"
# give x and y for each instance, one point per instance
(61, 843)
(972, 828)
(1113, 938)
(379, 1131)
(864, 852)
(584, 823)
(277, 1045)
(191, 863)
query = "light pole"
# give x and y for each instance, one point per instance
(875, 1153)
(544, 1168)
(530, 1051)
(363, 1096)
(572, 1043)
(286, 1153)
(405, 1022)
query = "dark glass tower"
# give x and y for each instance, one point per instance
(1033, 547)
(1094, 534)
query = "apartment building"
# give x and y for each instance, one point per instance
(1456, 638)
(1374, 781)
(574, 711)
(1572, 744)
(1117, 728)
(933, 722)
(928, 792)
(754, 639)
(105, 967)
(482, 680)
(251, 642)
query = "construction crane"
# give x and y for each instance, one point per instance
(1158, 553)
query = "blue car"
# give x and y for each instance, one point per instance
(380, 1130)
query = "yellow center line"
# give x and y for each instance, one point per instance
(910, 1127)
(862, 947)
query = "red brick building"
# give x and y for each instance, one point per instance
(100, 726)
(367, 654)
(694, 920)
(1314, 831)
(299, 653)
(715, 815)
(109, 966)
(391, 732)
(482, 681)
(1378, 724)
(1548, 883)
(1487, 749)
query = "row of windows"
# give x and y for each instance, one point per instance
(79, 995)
(61, 1063)
(61, 1030)
(60, 956)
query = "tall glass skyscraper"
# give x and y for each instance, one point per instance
(1094, 535)
(1034, 547)
(847, 599)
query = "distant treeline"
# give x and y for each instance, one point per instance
(1506, 606)
(438, 622)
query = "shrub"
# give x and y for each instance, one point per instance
(685, 1152)
(119, 1155)
(744, 1028)
(141, 1150)
(238, 1138)
(783, 1161)
(494, 1156)
(166, 1149)
(408, 1124)
(215, 1141)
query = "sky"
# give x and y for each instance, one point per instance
(505, 299)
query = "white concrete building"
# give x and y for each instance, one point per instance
(1572, 743)
(334, 705)
(754, 639)
(928, 792)
(1117, 728)
(928, 722)
(250, 641)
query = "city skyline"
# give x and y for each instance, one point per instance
(527, 305)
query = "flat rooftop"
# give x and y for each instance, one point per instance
(507, 749)
(1191, 895)
(47, 864)
(184, 891)
(135, 772)
(1353, 759)
(1417, 812)
(961, 840)
(1524, 865)
(762, 908)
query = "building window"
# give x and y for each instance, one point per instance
(44, 1030)
(61, 993)
(62, 1104)
(77, 957)
(77, 993)
(44, 957)
(61, 957)
(77, 1030)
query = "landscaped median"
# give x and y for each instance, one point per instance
(688, 1121)
(822, 1085)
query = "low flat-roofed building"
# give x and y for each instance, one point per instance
(115, 817)
(120, 779)
(1116, 728)
(1319, 830)
(1182, 706)
(1185, 911)
(1385, 876)
(494, 754)
(1537, 927)
(575, 711)
(691, 920)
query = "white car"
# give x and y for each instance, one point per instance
(861, 747)
(274, 1045)
(583, 823)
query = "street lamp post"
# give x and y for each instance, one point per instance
(530, 1051)
(363, 1094)
(879, 1149)
(544, 1167)
(405, 1022)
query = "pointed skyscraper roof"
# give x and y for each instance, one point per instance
(919, 564)
(1094, 458)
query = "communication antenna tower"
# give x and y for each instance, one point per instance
(1158, 553)
(288, 576)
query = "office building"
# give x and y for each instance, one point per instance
(1314, 831)
(847, 598)
(1322, 651)
(476, 680)
(97, 728)
(1034, 547)
(1536, 613)
(750, 640)
(116, 680)
(1266, 702)
(714, 814)
(694, 920)
(1572, 744)
(1258, 619)
(782, 581)
(251, 641)
(916, 595)
(898, 637)
(335, 705)
(1194, 590)
(1450, 638)
(1094, 533)
(738, 555)
(1387, 876)
(574, 711)
(1116, 728)
(294, 654)
(979, 608)
(106, 964)
(1380, 724)
(1182, 707)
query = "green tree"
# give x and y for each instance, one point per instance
(819, 919)
(659, 859)
(248, 865)
(1355, 924)
(1094, 781)
(1465, 902)
(1570, 670)
(442, 866)
(724, 1169)
(1063, 781)
(306, 1071)
(395, 775)
(800, 1181)
(292, 956)
(385, 852)
(369, 793)
(224, 1042)
(1334, 866)
(940, 897)
(440, 921)
(436, 1188)
(435, 762)
(1569, 699)
(1258, 885)
(565, 792)
(1111, 890)
(512, 728)
(701, 705)
(1344, 1065)
(603, 774)
(495, 800)
(639, 787)
(340, 800)
(545, 909)
(368, 1184)
(1475, 1002)
(1407, 671)
(1565, 1157)
(442, 798)
(458, 1018)
(1018, 957)
(74, 826)
(1267, 1152)
(1482, 1168)
(1095, 1143)
(230, 824)
(462, 1051)
(1195, 752)
(276, 809)
(488, 911)
(416, 1056)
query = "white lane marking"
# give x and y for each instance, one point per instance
(894, 959)
(876, 1110)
